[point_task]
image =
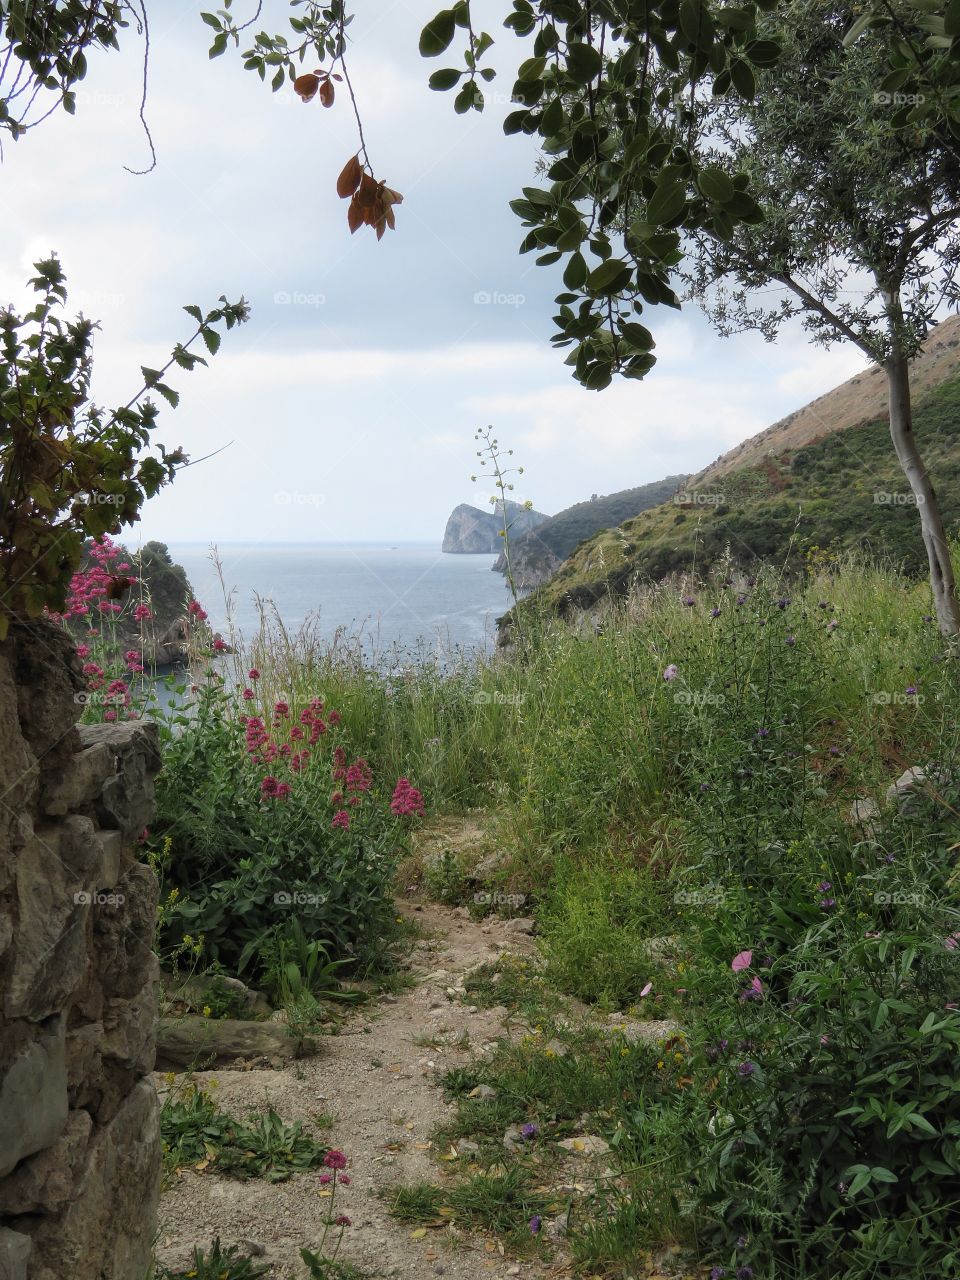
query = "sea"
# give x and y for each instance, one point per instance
(403, 597)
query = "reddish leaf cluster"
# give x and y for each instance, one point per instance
(371, 202)
(313, 82)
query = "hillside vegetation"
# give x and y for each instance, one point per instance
(842, 491)
(538, 553)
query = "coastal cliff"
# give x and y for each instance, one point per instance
(472, 531)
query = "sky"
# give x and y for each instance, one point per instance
(346, 408)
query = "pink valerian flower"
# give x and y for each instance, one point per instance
(407, 801)
(110, 714)
(268, 787)
(341, 819)
(196, 610)
(358, 776)
(342, 1221)
(335, 718)
(335, 1160)
(281, 710)
(91, 669)
(253, 673)
(248, 695)
(219, 645)
(141, 613)
(345, 1179)
(83, 651)
(325, 1178)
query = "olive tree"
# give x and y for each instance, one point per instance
(857, 227)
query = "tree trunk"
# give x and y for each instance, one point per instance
(934, 535)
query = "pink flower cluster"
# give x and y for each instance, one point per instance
(303, 734)
(90, 587)
(407, 800)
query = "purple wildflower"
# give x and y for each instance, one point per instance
(746, 1069)
(791, 641)
(529, 1131)
(535, 1224)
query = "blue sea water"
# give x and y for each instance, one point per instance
(406, 595)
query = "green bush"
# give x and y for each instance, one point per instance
(269, 829)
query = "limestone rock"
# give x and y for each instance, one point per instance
(588, 1145)
(106, 1233)
(47, 1182)
(123, 933)
(18, 764)
(203, 1042)
(79, 781)
(50, 947)
(15, 1252)
(126, 800)
(33, 1098)
(48, 676)
(918, 779)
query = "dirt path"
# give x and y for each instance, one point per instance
(378, 1084)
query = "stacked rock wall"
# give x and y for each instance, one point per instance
(79, 1119)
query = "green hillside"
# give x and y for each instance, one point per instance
(538, 553)
(843, 491)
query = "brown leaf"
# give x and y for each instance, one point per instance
(306, 85)
(349, 179)
(327, 93)
(367, 193)
(354, 215)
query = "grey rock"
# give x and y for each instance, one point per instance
(47, 1182)
(126, 800)
(473, 531)
(48, 676)
(15, 1250)
(130, 1026)
(79, 781)
(902, 792)
(107, 1231)
(588, 1145)
(519, 925)
(196, 1042)
(123, 932)
(33, 1098)
(51, 941)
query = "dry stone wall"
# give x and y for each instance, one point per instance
(79, 1117)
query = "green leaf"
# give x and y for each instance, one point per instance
(583, 63)
(218, 46)
(609, 276)
(575, 273)
(211, 20)
(445, 78)
(667, 203)
(743, 78)
(438, 33)
(715, 185)
(951, 19)
(638, 335)
(211, 340)
(763, 53)
(532, 69)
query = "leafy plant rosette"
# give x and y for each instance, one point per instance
(271, 826)
(829, 1059)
